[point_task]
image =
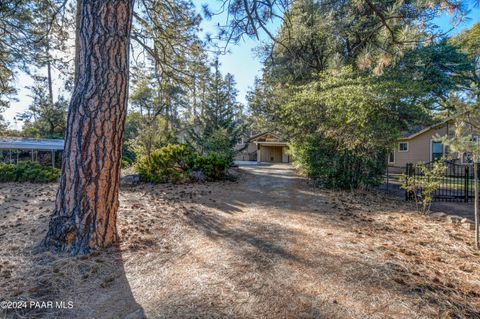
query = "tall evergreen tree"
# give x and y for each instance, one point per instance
(167, 32)
(218, 128)
(51, 23)
(15, 35)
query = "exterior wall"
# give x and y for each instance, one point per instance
(285, 156)
(248, 154)
(419, 148)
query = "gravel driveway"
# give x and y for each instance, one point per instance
(265, 246)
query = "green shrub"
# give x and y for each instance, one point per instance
(128, 156)
(424, 185)
(175, 163)
(125, 163)
(327, 166)
(28, 172)
(171, 163)
(220, 144)
(213, 166)
(8, 172)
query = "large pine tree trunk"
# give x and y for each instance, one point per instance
(87, 200)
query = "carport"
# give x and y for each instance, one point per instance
(11, 148)
(274, 152)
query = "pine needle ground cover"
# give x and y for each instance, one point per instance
(266, 246)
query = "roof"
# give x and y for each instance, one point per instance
(31, 143)
(418, 130)
(253, 138)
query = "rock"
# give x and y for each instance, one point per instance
(233, 172)
(198, 176)
(133, 179)
(453, 219)
(138, 314)
(438, 215)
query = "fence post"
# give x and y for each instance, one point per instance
(388, 177)
(467, 175)
(408, 173)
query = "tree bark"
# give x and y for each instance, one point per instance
(87, 200)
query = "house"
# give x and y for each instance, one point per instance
(264, 147)
(423, 145)
(420, 145)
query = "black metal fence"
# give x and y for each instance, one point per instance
(456, 184)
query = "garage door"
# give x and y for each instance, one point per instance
(271, 154)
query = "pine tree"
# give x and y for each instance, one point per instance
(218, 128)
(50, 28)
(15, 35)
(87, 202)
(148, 117)
(44, 118)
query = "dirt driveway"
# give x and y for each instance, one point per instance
(266, 246)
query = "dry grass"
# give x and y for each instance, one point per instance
(267, 246)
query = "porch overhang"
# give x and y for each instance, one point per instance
(31, 144)
(271, 143)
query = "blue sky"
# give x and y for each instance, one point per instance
(240, 61)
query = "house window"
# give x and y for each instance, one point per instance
(391, 158)
(403, 147)
(437, 150)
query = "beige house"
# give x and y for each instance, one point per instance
(423, 145)
(264, 147)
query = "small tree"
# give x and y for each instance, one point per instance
(147, 127)
(424, 186)
(466, 140)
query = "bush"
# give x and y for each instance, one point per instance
(125, 163)
(28, 172)
(177, 163)
(128, 156)
(213, 166)
(327, 166)
(424, 185)
(171, 163)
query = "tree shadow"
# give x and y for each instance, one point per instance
(242, 238)
(264, 244)
(49, 285)
(257, 267)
